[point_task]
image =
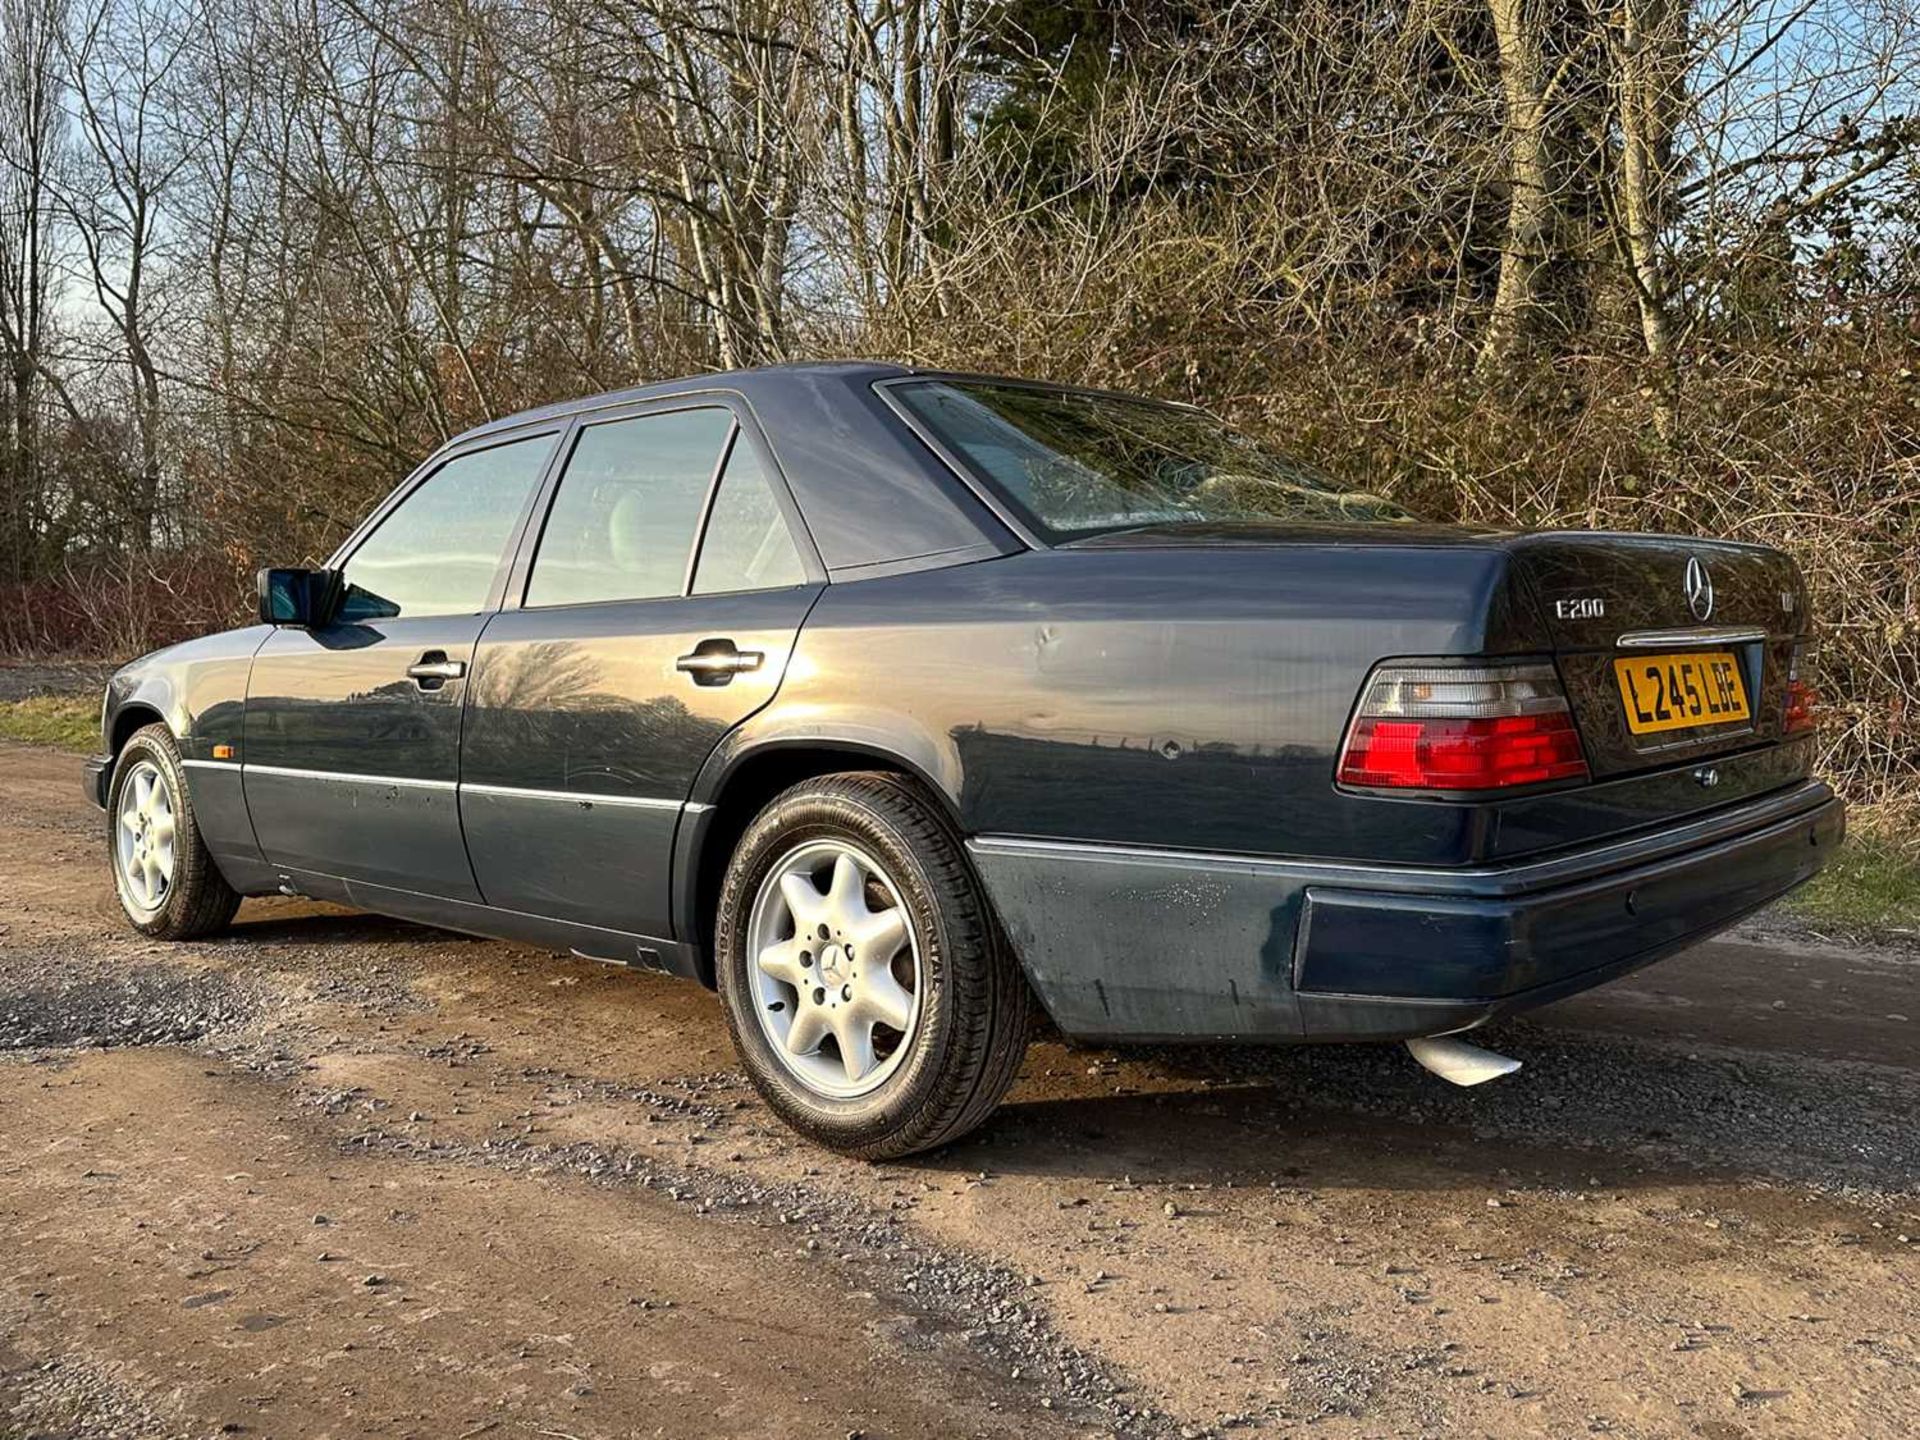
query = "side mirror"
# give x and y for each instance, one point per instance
(295, 597)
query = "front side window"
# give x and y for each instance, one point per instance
(623, 521)
(1074, 462)
(438, 551)
(747, 545)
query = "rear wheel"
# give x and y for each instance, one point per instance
(871, 997)
(168, 884)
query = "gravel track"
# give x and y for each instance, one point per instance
(152, 1004)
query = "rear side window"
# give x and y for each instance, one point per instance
(747, 545)
(1076, 462)
(437, 552)
(623, 521)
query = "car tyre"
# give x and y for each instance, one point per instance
(932, 1070)
(164, 876)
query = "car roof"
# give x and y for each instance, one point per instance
(758, 382)
(750, 380)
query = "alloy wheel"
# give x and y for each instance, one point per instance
(143, 837)
(835, 968)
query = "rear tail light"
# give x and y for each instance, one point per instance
(1485, 727)
(1802, 699)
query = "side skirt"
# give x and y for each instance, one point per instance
(589, 942)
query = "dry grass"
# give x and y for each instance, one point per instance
(70, 722)
(1871, 888)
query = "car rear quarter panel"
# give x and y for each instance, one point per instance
(1148, 697)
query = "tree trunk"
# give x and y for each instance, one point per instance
(1524, 251)
(1649, 70)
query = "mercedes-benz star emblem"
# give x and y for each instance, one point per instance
(1699, 587)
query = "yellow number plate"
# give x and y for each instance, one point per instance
(1677, 692)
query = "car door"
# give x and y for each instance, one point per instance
(351, 742)
(656, 608)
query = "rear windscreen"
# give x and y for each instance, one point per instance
(1073, 462)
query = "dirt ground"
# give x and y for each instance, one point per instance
(341, 1176)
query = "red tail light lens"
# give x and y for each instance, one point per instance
(1462, 728)
(1802, 699)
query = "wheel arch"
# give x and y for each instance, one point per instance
(745, 781)
(132, 716)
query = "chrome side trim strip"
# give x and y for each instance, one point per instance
(1667, 639)
(581, 797)
(512, 792)
(348, 777)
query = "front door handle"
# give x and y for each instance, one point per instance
(434, 669)
(716, 662)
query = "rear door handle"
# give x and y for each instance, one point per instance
(716, 662)
(434, 669)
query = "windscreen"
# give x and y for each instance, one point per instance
(1074, 462)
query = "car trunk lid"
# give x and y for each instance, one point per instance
(1631, 617)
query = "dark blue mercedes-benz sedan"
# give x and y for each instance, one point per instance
(893, 702)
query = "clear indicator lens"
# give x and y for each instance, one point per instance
(1464, 693)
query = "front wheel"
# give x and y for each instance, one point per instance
(167, 882)
(870, 994)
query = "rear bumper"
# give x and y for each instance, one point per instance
(94, 776)
(1158, 945)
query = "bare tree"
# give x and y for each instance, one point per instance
(29, 147)
(116, 69)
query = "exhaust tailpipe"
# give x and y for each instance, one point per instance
(1459, 1062)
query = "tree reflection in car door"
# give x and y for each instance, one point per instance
(552, 694)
